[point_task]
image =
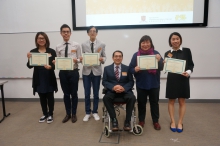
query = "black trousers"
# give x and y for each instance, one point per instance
(130, 101)
(142, 101)
(47, 101)
(69, 81)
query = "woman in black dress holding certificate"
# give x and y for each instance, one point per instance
(178, 84)
(44, 79)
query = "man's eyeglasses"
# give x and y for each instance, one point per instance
(65, 32)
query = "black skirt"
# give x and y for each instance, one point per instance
(177, 86)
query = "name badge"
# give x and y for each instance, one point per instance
(170, 55)
(99, 50)
(73, 51)
(124, 73)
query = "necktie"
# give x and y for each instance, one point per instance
(117, 73)
(66, 50)
(92, 47)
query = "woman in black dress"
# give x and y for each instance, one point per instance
(44, 79)
(178, 84)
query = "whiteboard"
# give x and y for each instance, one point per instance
(203, 42)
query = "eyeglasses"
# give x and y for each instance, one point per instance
(118, 56)
(65, 32)
(92, 31)
(42, 39)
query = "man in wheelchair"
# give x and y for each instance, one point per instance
(119, 83)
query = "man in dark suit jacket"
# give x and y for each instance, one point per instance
(119, 83)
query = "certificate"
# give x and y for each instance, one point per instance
(64, 63)
(147, 62)
(90, 59)
(38, 59)
(174, 65)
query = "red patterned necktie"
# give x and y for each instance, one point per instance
(117, 73)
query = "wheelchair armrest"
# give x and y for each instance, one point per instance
(104, 90)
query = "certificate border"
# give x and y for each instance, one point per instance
(63, 58)
(143, 56)
(183, 68)
(30, 59)
(97, 54)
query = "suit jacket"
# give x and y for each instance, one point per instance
(86, 48)
(109, 79)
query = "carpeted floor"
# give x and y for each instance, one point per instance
(21, 128)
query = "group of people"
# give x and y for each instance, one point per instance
(117, 79)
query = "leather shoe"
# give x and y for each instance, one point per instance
(114, 125)
(156, 126)
(141, 123)
(127, 126)
(179, 130)
(74, 118)
(66, 118)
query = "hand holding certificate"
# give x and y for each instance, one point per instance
(38, 59)
(91, 59)
(64, 63)
(174, 65)
(146, 62)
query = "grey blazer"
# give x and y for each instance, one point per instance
(86, 48)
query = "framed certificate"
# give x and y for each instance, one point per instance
(174, 65)
(90, 59)
(147, 62)
(64, 63)
(38, 59)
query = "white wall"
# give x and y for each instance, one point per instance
(201, 88)
(204, 43)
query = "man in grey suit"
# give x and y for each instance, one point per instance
(92, 74)
(119, 83)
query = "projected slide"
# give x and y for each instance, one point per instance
(138, 12)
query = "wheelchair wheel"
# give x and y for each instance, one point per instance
(139, 130)
(103, 114)
(106, 132)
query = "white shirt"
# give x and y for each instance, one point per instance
(74, 51)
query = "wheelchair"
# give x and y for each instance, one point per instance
(119, 104)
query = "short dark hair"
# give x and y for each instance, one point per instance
(47, 45)
(65, 26)
(117, 51)
(174, 33)
(90, 27)
(146, 38)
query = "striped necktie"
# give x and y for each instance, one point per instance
(117, 73)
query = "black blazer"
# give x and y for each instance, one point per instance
(52, 79)
(109, 79)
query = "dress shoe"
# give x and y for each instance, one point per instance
(179, 130)
(66, 118)
(127, 126)
(141, 123)
(156, 126)
(172, 129)
(74, 118)
(114, 124)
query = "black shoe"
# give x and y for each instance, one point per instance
(74, 118)
(127, 126)
(66, 118)
(114, 124)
